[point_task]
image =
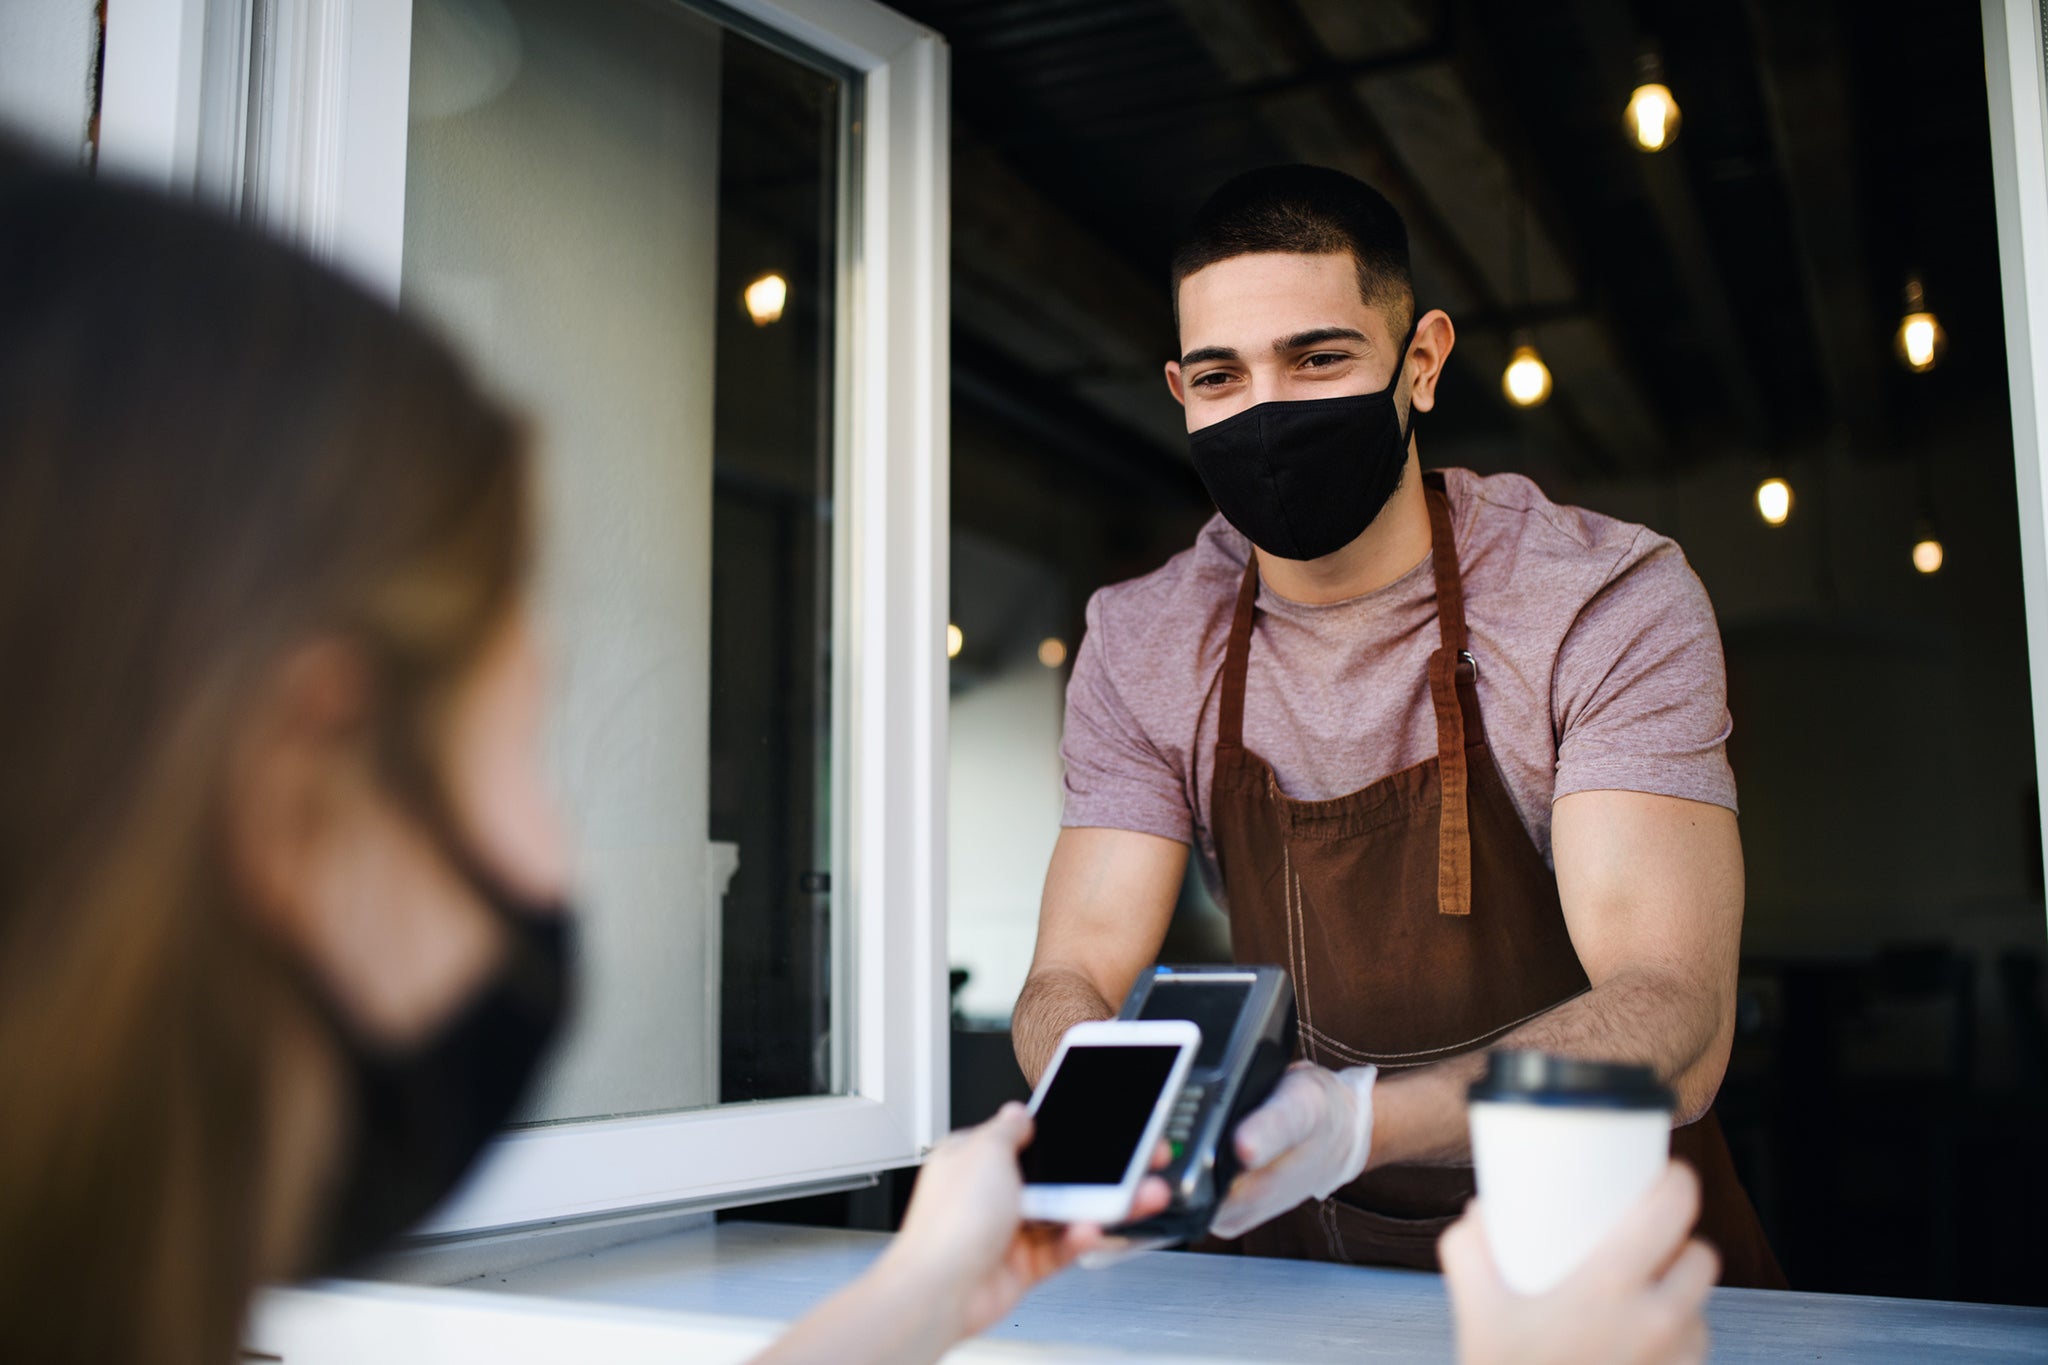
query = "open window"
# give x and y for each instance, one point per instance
(703, 247)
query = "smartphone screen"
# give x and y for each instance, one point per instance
(1213, 1006)
(1093, 1115)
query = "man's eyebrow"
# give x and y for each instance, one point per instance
(1195, 357)
(1315, 336)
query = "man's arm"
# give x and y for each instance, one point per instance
(1109, 896)
(1652, 889)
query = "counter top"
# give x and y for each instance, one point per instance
(1177, 1306)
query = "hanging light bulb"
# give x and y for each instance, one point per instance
(1526, 380)
(1927, 550)
(1774, 501)
(1920, 341)
(955, 641)
(765, 299)
(1652, 113)
(1052, 651)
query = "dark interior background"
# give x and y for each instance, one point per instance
(1713, 314)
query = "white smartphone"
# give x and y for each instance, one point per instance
(1100, 1109)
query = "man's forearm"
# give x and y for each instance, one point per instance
(1419, 1114)
(1053, 1000)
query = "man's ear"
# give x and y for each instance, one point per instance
(1434, 337)
(284, 788)
(1173, 385)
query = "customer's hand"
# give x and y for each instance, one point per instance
(963, 1238)
(1635, 1301)
(1310, 1137)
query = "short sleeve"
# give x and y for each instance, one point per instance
(1116, 778)
(1640, 694)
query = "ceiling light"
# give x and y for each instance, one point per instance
(955, 641)
(1526, 380)
(1652, 113)
(765, 299)
(1774, 501)
(1920, 341)
(1052, 651)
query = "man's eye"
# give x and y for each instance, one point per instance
(1211, 379)
(1323, 359)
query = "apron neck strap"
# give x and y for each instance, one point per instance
(1452, 679)
(1230, 721)
(1443, 554)
(1450, 611)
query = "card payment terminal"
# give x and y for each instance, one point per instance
(1246, 1015)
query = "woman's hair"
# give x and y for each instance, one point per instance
(211, 452)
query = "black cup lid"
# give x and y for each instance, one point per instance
(1540, 1078)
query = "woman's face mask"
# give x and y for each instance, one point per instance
(423, 1113)
(1303, 479)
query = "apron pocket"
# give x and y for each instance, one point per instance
(1362, 1237)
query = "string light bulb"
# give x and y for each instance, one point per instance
(1052, 651)
(1928, 553)
(1920, 341)
(1652, 114)
(1526, 380)
(1774, 501)
(955, 642)
(766, 298)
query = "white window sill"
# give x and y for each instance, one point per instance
(718, 1294)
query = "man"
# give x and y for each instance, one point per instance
(1451, 753)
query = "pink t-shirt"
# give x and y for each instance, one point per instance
(1599, 668)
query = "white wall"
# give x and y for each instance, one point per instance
(561, 215)
(1003, 813)
(46, 60)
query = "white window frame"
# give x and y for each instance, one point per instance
(2015, 35)
(326, 167)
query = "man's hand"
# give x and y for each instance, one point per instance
(1635, 1301)
(1310, 1137)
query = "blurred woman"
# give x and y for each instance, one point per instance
(282, 924)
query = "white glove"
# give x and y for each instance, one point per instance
(1311, 1137)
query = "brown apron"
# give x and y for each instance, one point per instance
(1419, 922)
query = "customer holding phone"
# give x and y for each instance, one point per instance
(282, 897)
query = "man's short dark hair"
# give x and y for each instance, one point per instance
(1310, 210)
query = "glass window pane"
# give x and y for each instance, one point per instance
(591, 187)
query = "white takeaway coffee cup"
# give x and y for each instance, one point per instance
(1561, 1148)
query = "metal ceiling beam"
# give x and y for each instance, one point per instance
(1613, 39)
(1483, 86)
(1806, 95)
(1283, 30)
(1068, 429)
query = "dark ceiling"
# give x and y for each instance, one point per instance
(1732, 296)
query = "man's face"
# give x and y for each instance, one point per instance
(1274, 327)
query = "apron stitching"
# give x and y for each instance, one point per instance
(1297, 956)
(1294, 882)
(1335, 1046)
(1348, 1053)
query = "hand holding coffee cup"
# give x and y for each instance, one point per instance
(1561, 1149)
(1635, 1300)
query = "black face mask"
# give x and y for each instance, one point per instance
(1304, 479)
(421, 1116)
